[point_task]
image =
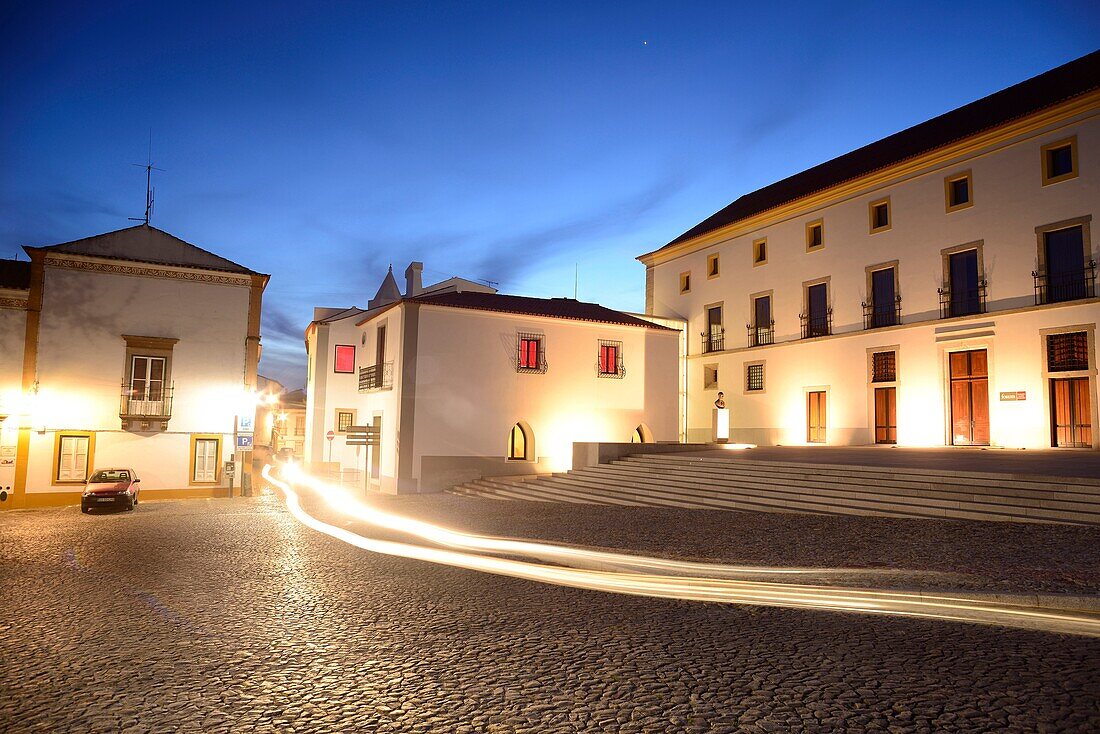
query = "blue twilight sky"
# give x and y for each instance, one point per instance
(320, 142)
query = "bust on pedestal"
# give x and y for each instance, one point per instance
(720, 423)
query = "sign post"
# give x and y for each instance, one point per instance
(369, 436)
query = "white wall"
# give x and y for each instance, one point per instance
(469, 394)
(81, 368)
(1009, 203)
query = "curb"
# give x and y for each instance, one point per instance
(1061, 602)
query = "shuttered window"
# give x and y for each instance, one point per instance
(72, 459)
(206, 460)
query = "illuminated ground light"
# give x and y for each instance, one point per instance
(706, 582)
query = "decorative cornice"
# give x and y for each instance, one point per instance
(59, 261)
(16, 303)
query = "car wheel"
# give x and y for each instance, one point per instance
(84, 510)
(133, 502)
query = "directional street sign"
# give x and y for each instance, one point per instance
(364, 436)
(244, 443)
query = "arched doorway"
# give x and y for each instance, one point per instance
(641, 434)
(521, 443)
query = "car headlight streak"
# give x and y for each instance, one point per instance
(604, 571)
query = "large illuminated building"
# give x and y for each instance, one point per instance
(128, 349)
(464, 382)
(937, 287)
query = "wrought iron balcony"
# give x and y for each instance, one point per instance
(376, 377)
(817, 324)
(715, 341)
(962, 302)
(876, 316)
(1069, 285)
(761, 335)
(146, 404)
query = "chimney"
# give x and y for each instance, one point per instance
(413, 283)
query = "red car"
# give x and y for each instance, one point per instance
(110, 488)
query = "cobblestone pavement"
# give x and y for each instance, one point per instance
(228, 615)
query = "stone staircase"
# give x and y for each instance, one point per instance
(667, 480)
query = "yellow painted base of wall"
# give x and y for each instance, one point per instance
(60, 499)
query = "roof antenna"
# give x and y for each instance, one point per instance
(576, 279)
(149, 190)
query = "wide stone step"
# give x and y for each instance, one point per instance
(746, 501)
(785, 497)
(1052, 500)
(1007, 480)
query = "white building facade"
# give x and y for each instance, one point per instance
(937, 287)
(129, 349)
(464, 382)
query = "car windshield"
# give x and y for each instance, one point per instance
(111, 475)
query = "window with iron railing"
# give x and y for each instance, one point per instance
(1068, 352)
(884, 367)
(376, 377)
(610, 362)
(878, 315)
(530, 353)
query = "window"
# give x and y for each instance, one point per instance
(299, 425)
(685, 282)
(1064, 275)
(146, 378)
(815, 235)
(204, 460)
(710, 377)
(611, 359)
(344, 420)
(714, 336)
(530, 356)
(966, 290)
(517, 444)
(1059, 160)
(885, 306)
(958, 191)
(884, 367)
(1068, 352)
(761, 331)
(760, 252)
(380, 345)
(879, 213)
(754, 377)
(73, 452)
(817, 318)
(712, 266)
(345, 359)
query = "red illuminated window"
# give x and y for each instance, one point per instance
(345, 359)
(529, 352)
(611, 359)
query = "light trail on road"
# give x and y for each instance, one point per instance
(725, 589)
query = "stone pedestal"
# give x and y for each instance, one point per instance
(720, 424)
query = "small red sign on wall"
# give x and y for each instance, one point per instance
(345, 358)
(1011, 397)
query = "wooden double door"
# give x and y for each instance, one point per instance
(815, 416)
(969, 398)
(886, 415)
(1071, 414)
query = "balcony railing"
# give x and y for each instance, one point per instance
(146, 405)
(761, 335)
(376, 377)
(962, 302)
(876, 316)
(1069, 285)
(816, 324)
(715, 341)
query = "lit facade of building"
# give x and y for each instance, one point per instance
(128, 349)
(463, 382)
(937, 287)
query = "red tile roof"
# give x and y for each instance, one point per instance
(1058, 85)
(558, 308)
